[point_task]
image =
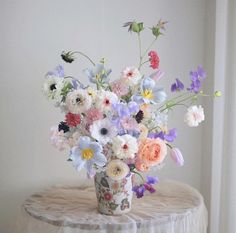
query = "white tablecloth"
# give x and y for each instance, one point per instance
(174, 208)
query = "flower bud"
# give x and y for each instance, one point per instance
(217, 94)
(177, 156)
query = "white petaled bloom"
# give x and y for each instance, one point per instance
(125, 146)
(103, 131)
(131, 75)
(105, 100)
(194, 116)
(117, 169)
(78, 101)
(52, 87)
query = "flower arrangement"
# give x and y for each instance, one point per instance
(121, 126)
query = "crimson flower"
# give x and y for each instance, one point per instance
(154, 59)
(73, 119)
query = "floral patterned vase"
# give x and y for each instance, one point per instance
(114, 196)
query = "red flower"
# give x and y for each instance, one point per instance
(107, 196)
(154, 59)
(73, 119)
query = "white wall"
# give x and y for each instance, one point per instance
(32, 35)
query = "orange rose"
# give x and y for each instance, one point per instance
(141, 166)
(152, 151)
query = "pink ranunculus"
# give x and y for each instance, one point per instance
(93, 114)
(129, 123)
(119, 87)
(177, 156)
(73, 119)
(152, 151)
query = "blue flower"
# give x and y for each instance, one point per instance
(86, 154)
(149, 93)
(139, 190)
(98, 74)
(58, 72)
(124, 109)
(177, 86)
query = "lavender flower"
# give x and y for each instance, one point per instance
(177, 86)
(139, 190)
(169, 137)
(196, 78)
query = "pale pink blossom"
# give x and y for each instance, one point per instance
(129, 123)
(57, 138)
(119, 87)
(194, 116)
(93, 114)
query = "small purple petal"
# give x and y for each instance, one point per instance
(152, 180)
(139, 190)
(171, 136)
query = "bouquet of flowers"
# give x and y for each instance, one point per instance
(121, 126)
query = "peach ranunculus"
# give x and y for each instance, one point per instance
(151, 152)
(141, 166)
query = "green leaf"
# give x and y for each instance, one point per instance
(140, 26)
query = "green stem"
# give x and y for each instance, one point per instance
(149, 47)
(140, 50)
(138, 175)
(178, 102)
(84, 55)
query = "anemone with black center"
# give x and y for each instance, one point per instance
(104, 131)
(78, 100)
(52, 87)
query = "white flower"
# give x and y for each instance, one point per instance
(125, 146)
(117, 170)
(103, 131)
(131, 75)
(52, 87)
(194, 116)
(58, 138)
(78, 101)
(105, 99)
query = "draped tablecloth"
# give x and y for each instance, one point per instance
(174, 208)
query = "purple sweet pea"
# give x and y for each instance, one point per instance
(152, 180)
(169, 137)
(177, 86)
(196, 78)
(139, 190)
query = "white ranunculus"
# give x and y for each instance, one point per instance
(194, 116)
(117, 169)
(125, 146)
(78, 101)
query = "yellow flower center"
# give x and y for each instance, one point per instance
(87, 154)
(147, 94)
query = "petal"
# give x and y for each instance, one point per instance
(100, 159)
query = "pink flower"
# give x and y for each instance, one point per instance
(73, 119)
(93, 114)
(57, 138)
(177, 156)
(129, 123)
(154, 59)
(119, 87)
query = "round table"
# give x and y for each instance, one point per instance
(174, 208)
